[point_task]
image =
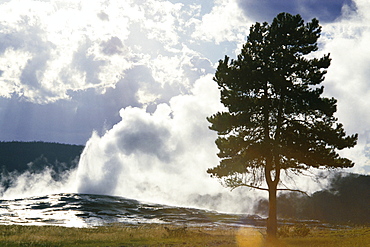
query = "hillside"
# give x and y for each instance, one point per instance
(345, 201)
(22, 156)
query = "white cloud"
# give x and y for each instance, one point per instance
(12, 64)
(162, 19)
(226, 22)
(68, 42)
(348, 75)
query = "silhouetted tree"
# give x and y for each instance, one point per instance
(277, 119)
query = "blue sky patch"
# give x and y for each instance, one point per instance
(266, 10)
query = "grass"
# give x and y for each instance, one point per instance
(158, 235)
(359, 237)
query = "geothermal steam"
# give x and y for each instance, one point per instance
(160, 157)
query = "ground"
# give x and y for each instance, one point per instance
(171, 235)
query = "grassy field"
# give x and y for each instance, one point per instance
(158, 235)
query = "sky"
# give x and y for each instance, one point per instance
(135, 76)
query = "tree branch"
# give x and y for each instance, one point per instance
(265, 189)
(250, 186)
(292, 190)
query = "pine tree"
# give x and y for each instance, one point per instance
(277, 118)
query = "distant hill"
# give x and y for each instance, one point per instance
(345, 201)
(22, 156)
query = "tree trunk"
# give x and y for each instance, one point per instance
(272, 218)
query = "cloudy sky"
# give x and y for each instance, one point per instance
(139, 70)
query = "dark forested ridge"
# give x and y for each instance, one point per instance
(345, 201)
(22, 156)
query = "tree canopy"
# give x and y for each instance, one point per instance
(277, 118)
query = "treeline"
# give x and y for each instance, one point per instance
(21, 156)
(345, 201)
